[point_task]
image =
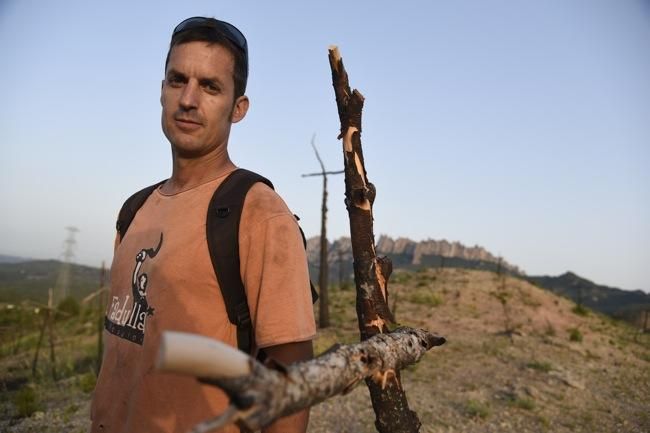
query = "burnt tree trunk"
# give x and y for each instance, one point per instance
(323, 308)
(370, 272)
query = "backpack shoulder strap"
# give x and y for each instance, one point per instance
(222, 232)
(131, 207)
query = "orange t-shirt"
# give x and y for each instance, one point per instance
(162, 279)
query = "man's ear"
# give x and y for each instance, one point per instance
(239, 109)
(162, 87)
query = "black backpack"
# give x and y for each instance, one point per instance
(222, 227)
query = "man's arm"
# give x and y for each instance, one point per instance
(289, 353)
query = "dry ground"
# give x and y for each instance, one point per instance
(556, 370)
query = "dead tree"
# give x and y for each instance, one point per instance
(323, 309)
(48, 323)
(503, 295)
(370, 272)
(259, 394)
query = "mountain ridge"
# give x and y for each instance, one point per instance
(408, 254)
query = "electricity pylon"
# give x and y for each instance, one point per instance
(63, 281)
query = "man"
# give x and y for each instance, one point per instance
(162, 277)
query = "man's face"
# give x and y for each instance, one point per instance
(197, 99)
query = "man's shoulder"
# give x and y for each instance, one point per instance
(263, 202)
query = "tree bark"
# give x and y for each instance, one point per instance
(371, 273)
(260, 394)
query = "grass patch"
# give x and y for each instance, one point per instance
(575, 335)
(26, 402)
(524, 403)
(477, 409)
(423, 297)
(543, 366)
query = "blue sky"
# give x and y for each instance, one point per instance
(520, 126)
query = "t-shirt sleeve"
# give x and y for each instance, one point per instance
(274, 270)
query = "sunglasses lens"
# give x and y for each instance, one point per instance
(226, 29)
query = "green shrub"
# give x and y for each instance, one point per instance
(575, 335)
(87, 382)
(524, 403)
(68, 307)
(476, 409)
(580, 310)
(540, 365)
(26, 402)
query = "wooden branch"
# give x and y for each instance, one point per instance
(320, 173)
(260, 394)
(370, 272)
(313, 146)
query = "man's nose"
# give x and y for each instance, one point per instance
(190, 96)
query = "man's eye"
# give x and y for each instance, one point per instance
(175, 81)
(212, 88)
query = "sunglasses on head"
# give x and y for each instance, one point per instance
(225, 29)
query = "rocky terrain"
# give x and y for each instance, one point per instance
(406, 253)
(518, 359)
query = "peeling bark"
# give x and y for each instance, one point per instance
(260, 394)
(371, 273)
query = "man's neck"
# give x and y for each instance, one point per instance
(188, 173)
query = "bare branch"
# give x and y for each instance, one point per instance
(322, 173)
(313, 145)
(267, 394)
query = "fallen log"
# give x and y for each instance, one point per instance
(259, 394)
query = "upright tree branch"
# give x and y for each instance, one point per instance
(371, 273)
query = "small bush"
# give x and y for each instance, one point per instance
(476, 409)
(540, 366)
(87, 382)
(575, 335)
(68, 307)
(26, 402)
(580, 310)
(524, 403)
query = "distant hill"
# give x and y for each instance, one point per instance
(408, 254)
(32, 279)
(12, 259)
(616, 302)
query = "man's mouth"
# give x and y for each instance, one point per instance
(187, 124)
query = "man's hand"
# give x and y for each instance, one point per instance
(287, 354)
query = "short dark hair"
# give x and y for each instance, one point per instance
(205, 34)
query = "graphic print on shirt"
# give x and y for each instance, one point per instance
(127, 315)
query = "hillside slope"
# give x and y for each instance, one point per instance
(32, 279)
(559, 369)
